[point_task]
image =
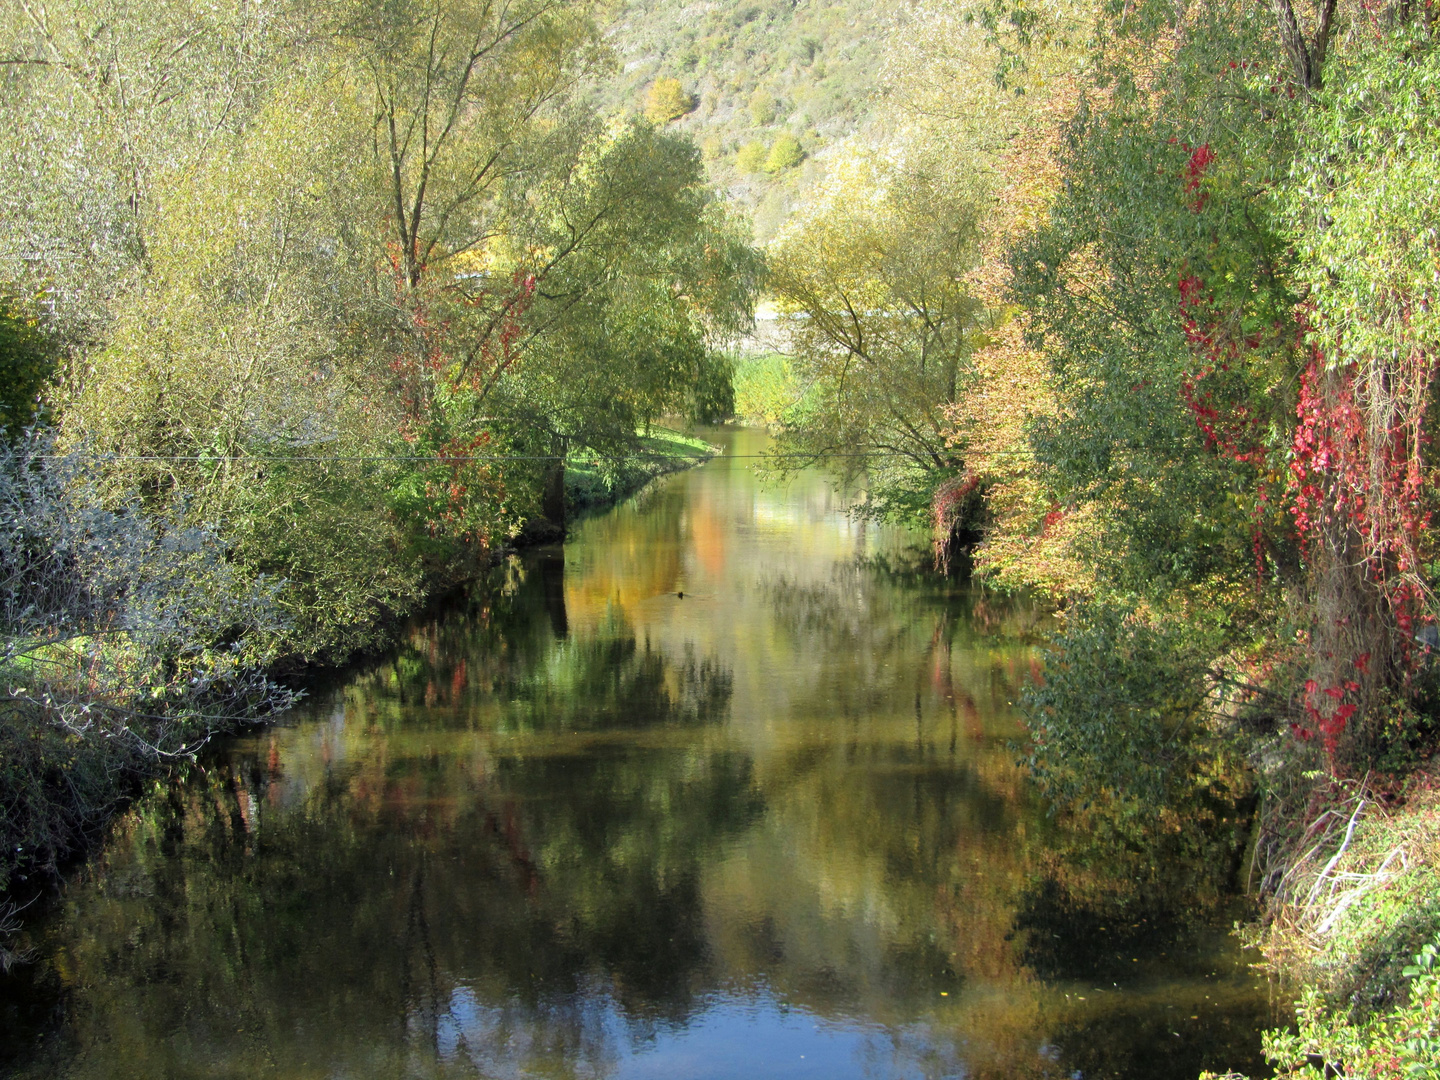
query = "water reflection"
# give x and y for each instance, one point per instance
(587, 826)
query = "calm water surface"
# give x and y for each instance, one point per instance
(582, 826)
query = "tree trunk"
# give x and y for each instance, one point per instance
(1358, 648)
(552, 497)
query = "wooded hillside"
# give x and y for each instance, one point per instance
(755, 75)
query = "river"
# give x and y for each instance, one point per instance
(723, 788)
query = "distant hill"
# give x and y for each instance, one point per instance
(756, 73)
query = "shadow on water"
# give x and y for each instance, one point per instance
(584, 826)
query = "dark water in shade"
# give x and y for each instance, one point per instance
(582, 827)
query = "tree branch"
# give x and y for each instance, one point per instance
(1307, 60)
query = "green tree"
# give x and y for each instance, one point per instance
(629, 313)
(296, 309)
(1234, 312)
(1165, 198)
(881, 324)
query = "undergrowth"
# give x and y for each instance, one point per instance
(1353, 930)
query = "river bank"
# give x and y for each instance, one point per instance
(60, 786)
(592, 485)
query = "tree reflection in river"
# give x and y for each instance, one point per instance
(582, 826)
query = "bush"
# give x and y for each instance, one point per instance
(1124, 707)
(752, 157)
(26, 362)
(764, 388)
(667, 101)
(126, 639)
(785, 154)
(1403, 1042)
(762, 108)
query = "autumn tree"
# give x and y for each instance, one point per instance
(958, 90)
(666, 100)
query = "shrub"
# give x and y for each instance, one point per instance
(26, 361)
(764, 388)
(762, 108)
(785, 154)
(126, 639)
(1402, 1043)
(752, 157)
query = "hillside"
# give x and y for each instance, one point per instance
(755, 73)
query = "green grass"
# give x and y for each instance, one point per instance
(592, 483)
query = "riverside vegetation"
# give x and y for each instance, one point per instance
(1136, 304)
(317, 301)
(1133, 304)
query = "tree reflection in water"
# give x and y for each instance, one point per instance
(581, 827)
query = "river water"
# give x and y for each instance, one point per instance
(583, 825)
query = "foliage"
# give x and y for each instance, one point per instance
(1029, 536)
(666, 101)
(1365, 151)
(1358, 210)
(1399, 1044)
(404, 268)
(713, 398)
(122, 630)
(762, 108)
(1124, 708)
(1207, 421)
(26, 363)
(785, 154)
(1141, 364)
(752, 156)
(881, 324)
(629, 314)
(765, 387)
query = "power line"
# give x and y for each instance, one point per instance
(818, 456)
(217, 458)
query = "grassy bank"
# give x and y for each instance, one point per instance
(592, 483)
